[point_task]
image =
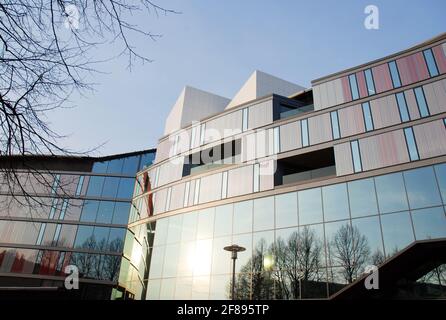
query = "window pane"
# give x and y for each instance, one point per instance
(205, 227)
(121, 213)
(286, 210)
(125, 190)
(100, 235)
(116, 239)
(316, 233)
(95, 186)
(335, 124)
(394, 73)
(110, 187)
(310, 206)
(186, 257)
(167, 289)
(242, 220)
(411, 145)
(440, 171)
(146, 160)
(430, 61)
(115, 166)
(264, 213)
(304, 128)
(263, 251)
(367, 116)
(105, 212)
(223, 220)
(83, 237)
(335, 201)
(362, 198)
(174, 229)
(89, 210)
(356, 156)
(171, 260)
(153, 290)
(391, 193)
(397, 232)
(338, 235)
(429, 223)
(369, 234)
(221, 259)
(422, 189)
(353, 86)
(156, 262)
(130, 165)
(402, 106)
(189, 229)
(369, 81)
(421, 101)
(100, 167)
(161, 227)
(243, 258)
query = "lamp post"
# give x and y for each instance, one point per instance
(233, 249)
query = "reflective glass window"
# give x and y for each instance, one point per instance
(130, 165)
(367, 116)
(105, 212)
(156, 262)
(186, 258)
(89, 210)
(153, 290)
(84, 237)
(353, 86)
(110, 187)
(262, 254)
(80, 184)
(243, 258)
(221, 259)
(310, 206)
(115, 166)
(430, 61)
(116, 239)
(429, 223)
(203, 257)
(338, 236)
(370, 250)
(411, 144)
(242, 219)
(402, 106)
(391, 193)
(95, 186)
(100, 235)
(397, 232)
(335, 201)
(174, 229)
(335, 124)
(183, 288)
(286, 210)
(394, 74)
(167, 289)
(161, 227)
(316, 233)
(440, 171)
(264, 213)
(421, 187)
(362, 198)
(121, 213)
(189, 229)
(200, 288)
(245, 119)
(223, 220)
(219, 287)
(304, 129)
(421, 102)
(356, 155)
(100, 167)
(146, 160)
(369, 81)
(125, 189)
(205, 227)
(171, 256)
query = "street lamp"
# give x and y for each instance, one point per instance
(234, 249)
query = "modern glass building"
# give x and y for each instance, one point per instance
(57, 211)
(316, 184)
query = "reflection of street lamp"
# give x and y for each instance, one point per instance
(234, 249)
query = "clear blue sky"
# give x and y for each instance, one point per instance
(216, 45)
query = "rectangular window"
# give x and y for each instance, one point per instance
(421, 102)
(202, 133)
(256, 182)
(304, 133)
(64, 209)
(197, 191)
(353, 86)
(224, 185)
(356, 156)
(335, 124)
(41, 232)
(411, 144)
(369, 82)
(53, 208)
(79, 185)
(430, 61)
(157, 173)
(245, 119)
(367, 116)
(193, 136)
(276, 140)
(186, 194)
(402, 106)
(57, 233)
(394, 74)
(175, 144)
(169, 195)
(55, 184)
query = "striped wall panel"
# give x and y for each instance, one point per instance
(319, 128)
(412, 68)
(440, 57)
(383, 150)
(328, 94)
(346, 89)
(431, 139)
(240, 181)
(170, 171)
(267, 169)
(290, 136)
(343, 159)
(351, 121)
(435, 94)
(385, 112)
(260, 114)
(210, 188)
(248, 147)
(381, 75)
(183, 141)
(412, 104)
(224, 126)
(177, 196)
(324, 95)
(191, 195)
(337, 87)
(159, 204)
(360, 78)
(163, 149)
(317, 97)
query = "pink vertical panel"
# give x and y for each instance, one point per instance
(381, 75)
(351, 121)
(343, 159)
(346, 89)
(412, 68)
(440, 58)
(431, 139)
(361, 84)
(412, 104)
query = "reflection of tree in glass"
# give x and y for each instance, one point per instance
(350, 250)
(262, 280)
